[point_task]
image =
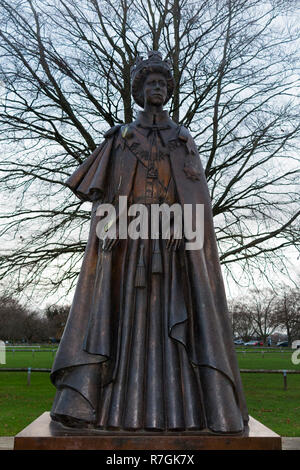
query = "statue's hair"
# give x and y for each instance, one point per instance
(142, 68)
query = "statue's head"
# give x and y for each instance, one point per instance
(148, 73)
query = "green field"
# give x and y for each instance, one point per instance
(268, 360)
(38, 359)
(267, 401)
(20, 404)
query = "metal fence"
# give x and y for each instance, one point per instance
(284, 372)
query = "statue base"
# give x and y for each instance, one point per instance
(45, 434)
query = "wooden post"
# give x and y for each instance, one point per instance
(284, 380)
(28, 375)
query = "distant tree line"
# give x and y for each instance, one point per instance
(19, 324)
(261, 313)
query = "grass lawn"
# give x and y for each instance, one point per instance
(267, 401)
(273, 360)
(39, 360)
(276, 408)
(20, 404)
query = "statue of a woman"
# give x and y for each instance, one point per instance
(148, 343)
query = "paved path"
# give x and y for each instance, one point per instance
(288, 443)
(291, 443)
(6, 443)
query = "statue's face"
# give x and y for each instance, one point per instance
(155, 89)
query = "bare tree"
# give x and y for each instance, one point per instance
(65, 69)
(12, 315)
(257, 314)
(287, 310)
(57, 317)
(263, 313)
(18, 323)
(35, 328)
(241, 317)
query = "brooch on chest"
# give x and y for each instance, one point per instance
(143, 152)
(157, 154)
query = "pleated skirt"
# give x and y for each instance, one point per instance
(148, 382)
(155, 386)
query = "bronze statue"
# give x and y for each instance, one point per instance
(148, 342)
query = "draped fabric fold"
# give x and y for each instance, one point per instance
(88, 181)
(156, 354)
(100, 315)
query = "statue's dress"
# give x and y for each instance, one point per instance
(147, 353)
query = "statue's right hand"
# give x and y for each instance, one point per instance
(109, 243)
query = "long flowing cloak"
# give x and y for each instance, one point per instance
(89, 352)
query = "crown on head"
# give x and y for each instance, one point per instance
(142, 67)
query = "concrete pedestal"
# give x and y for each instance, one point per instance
(45, 434)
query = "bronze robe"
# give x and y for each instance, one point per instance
(151, 351)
